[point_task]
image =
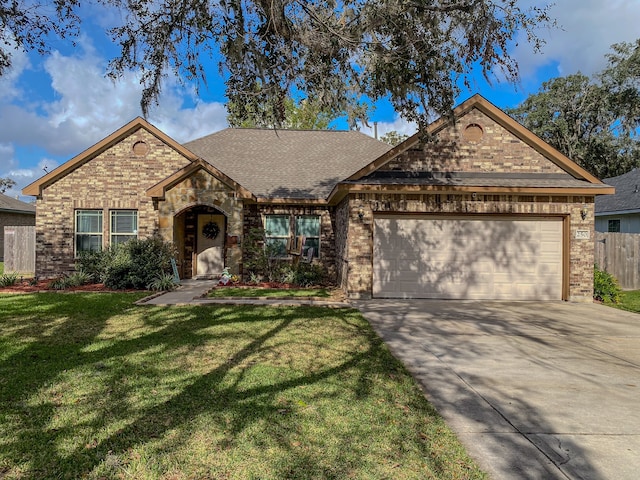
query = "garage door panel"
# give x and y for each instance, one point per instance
(470, 257)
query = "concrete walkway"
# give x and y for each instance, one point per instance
(193, 292)
(534, 390)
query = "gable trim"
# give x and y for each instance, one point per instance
(497, 115)
(159, 190)
(36, 187)
(343, 189)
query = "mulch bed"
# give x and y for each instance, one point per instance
(27, 286)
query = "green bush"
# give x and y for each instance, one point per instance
(261, 258)
(162, 283)
(8, 279)
(605, 286)
(135, 264)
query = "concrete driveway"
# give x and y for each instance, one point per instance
(533, 390)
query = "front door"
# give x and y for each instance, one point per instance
(210, 245)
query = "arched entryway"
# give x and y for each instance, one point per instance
(199, 234)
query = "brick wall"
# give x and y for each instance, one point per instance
(10, 219)
(115, 179)
(497, 151)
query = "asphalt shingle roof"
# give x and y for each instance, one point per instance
(300, 164)
(627, 196)
(468, 179)
(8, 204)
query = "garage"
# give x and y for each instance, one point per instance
(468, 257)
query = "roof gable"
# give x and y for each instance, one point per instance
(36, 187)
(159, 190)
(550, 161)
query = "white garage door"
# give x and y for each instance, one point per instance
(467, 257)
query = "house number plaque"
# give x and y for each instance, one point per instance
(582, 235)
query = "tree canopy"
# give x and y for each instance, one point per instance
(302, 115)
(6, 183)
(594, 121)
(341, 53)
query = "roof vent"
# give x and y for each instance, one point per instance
(140, 149)
(473, 133)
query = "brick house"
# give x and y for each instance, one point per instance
(482, 209)
(14, 213)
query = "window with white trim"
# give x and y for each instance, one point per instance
(613, 225)
(88, 230)
(309, 227)
(277, 231)
(124, 226)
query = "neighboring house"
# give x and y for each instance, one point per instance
(14, 213)
(620, 212)
(481, 209)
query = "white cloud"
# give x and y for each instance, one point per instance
(399, 125)
(89, 106)
(587, 29)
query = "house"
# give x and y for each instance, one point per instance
(14, 213)
(620, 212)
(483, 209)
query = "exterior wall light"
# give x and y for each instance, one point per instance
(361, 213)
(584, 212)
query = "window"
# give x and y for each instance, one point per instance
(309, 226)
(277, 233)
(88, 230)
(124, 226)
(614, 226)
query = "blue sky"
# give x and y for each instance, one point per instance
(56, 106)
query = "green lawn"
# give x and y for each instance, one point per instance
(629, 300)
(269, 292)
(92, 386)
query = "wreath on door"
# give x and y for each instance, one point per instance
(210, 230)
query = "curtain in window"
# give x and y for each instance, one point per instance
(277, 233)
(309, 226)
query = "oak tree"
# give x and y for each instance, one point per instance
(594, 121)
(341, 53)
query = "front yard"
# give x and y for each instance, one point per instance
(92, 386)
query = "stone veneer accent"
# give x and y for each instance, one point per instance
(359, 256)
(115, 179)
(201, 189)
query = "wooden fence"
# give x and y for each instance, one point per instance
(619, 254)
(20, 249)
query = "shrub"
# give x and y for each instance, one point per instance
(605, 286)
(261, 258)
(134, 264)
(58, 284)
(95, 264)
(78, 278)
(162, 283)
(309, 274)
(8, 279)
